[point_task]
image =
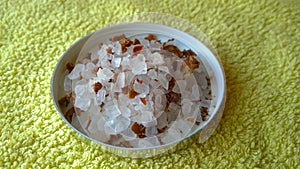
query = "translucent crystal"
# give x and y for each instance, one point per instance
(116, 62)
(138, 65)
(67, 84)
(150, 131)
(125, 111)
(111, 111)
(90, 66)
(162, 121)
(141, 88)
(120, 82)
(118, 124)
(183, 126)
(152, 74)
(75, 74)
(105, 74)
(87, 74)
(157, 59)
(100, 96)
(128, 134)
(143, 143)
(163, 81)
(82, 103)
(171, 135)
(80, 90)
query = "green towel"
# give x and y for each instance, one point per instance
(259, 46)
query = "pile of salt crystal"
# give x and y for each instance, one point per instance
(135, 101)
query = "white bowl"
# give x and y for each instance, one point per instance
(205, 54)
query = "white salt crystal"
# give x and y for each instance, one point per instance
(195, 92)
(178, 75)
(143, 143)
(157, 59)
(150, 131)
(102, 52)
(123, 100)
(186, 108)
(181, 84)
(67, 84)
(171, 136)
(205, 103)
(150, 123)
(164, 69)
(111, 111)
(105, 74)
(90, 66)
(100, 96)
(138, 65)
(87, 74)
(82, 103)
(141, 88)
(128, 134)
(120, 82)
(152, 74)
(162, 121)
(125, 63)
(116, 62)
(75, 74)
(80, 90)
(118, 124)
(125, 111)
(163, 81)
(183, 126)
(117, 48)
(154, 84)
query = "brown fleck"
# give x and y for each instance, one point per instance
(78, 111)
(109, 50)
(139, 81)
(143, 100)
(70, 66)
(89, 123)
(197, 123)
(65, 100)
(136, 41)
(171, 84)
(137, 49)
(97, 86)
(124, 42)
(102, 105)
(117, 38)
(139, 130)
(96, 69)
(204, 113)
(172, 96)
(162, 129)
(125, 90)
(188, 52)
(151, 37)
(208, 81)
(132, 93)
(191, 62)
(69, 114)
(100, 45)
(107, 94)
(124, 143)
(173, 49)
(192, 120)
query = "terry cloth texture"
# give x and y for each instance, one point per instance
(259, 46)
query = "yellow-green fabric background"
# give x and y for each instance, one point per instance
(257, 41)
